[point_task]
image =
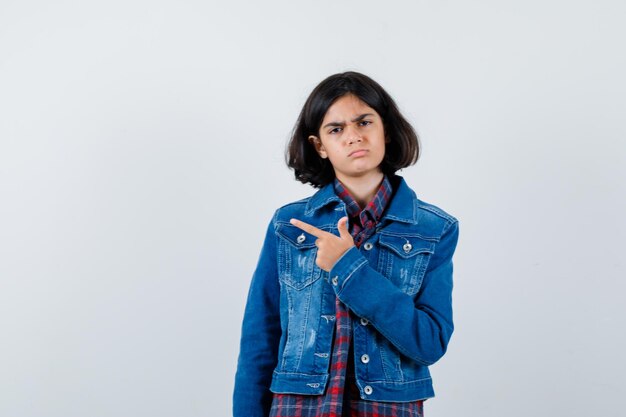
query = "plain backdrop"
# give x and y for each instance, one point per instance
(141, 157)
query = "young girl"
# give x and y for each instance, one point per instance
(351, 299)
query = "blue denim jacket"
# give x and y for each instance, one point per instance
(399, 283)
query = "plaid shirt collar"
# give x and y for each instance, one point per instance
(371, 214)
(402, 207)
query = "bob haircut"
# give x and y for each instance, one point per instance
(401, 150)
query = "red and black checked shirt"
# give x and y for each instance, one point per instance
(342, 398)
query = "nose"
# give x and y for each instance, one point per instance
(352, 134)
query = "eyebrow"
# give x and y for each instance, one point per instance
(356, 119)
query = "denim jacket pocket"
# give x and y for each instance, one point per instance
(296, 257)
(403, 260)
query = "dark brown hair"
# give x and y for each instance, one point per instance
(401, 151)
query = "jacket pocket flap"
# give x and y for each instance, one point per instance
(406, 246)
(296, 236)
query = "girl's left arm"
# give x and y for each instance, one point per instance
(260, 335)
(419, 327)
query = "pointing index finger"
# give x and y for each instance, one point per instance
(307, 228)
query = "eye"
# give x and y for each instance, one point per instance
(335, 130)
(365, 123)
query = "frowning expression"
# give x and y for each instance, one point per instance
(352, 137)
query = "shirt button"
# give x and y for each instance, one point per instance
(335, 280)
(364, 322)
(407, 247)
(365, 358)
(301, 238)
(368, 390)
(368, 246)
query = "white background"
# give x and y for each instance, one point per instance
(141, 157)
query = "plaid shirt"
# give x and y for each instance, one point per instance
(342, 398)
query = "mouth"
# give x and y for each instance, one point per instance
(358, 152)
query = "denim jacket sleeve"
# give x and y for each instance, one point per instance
(260, 335)
(419, 327)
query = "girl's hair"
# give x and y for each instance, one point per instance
(401, 150)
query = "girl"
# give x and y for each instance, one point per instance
(351, 299)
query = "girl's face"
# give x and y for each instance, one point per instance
(352, 137)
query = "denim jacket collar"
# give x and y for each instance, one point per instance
(402, 207)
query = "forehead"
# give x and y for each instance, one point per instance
(347, 107)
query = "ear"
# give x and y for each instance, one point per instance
(317, 143)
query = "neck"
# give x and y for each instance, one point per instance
(362, 188)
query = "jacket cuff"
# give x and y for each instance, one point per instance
(350, 262)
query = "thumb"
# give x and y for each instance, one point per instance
(342, 225)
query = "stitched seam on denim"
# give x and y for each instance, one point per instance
(320, 338)
(289, 340)
(439, 212)
(295, 203)
(399, 255)
(400, 219)
(447, 227)
(388, 265)
(327, 227)
(417, 235)
(421, 274)
(284, 260)
(356, 268)
(443, 232)
(385, 382)
(304, 326)
(322, 204)
(283, 337)
(301, 373)
(383, 356)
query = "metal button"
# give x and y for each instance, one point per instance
(407, 247)
(301, 238)
(368, 390)
(335, 280)
(364, 322)
(368, 246)
(365, 358)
